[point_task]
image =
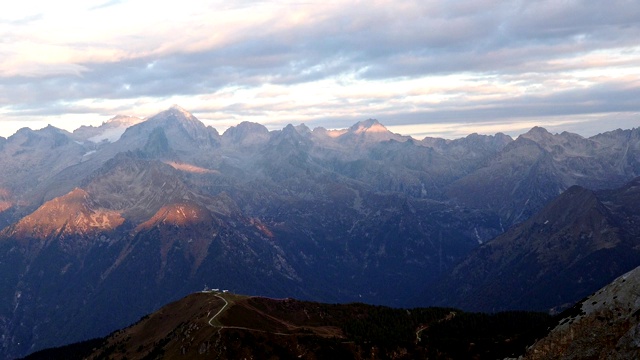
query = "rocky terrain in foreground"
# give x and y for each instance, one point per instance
(605, 325)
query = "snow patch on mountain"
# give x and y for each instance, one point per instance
(110, 130)
(109, 135)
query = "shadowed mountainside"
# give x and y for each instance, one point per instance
(578, 243)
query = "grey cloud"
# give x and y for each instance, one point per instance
(599, 99)
(423, 38)
(377, 43)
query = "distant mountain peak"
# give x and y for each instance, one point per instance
(303, 129)
(289, 134)
(246, 127)
(537, 133)
(290, 128)
(47, 136)
(368, 126)
(368, 132)
(247, 133)
(186, 123)
(181, 110)
(175, 112)
(538, 130)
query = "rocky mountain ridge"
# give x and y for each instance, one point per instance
(453, 168)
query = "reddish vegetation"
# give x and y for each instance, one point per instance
(179, 214)
(72, 214)
(190, 168)
(4, 205)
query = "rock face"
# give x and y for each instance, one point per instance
(246, 135)
(30, 157)
(606, 325)
(359, 214)
(579, 242)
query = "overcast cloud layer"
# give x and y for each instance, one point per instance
(423, 68)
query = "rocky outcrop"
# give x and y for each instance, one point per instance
(605, 325)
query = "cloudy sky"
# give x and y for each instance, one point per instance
(442, 68)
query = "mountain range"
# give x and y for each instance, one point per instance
(100, 229)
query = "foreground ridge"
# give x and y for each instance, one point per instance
(225, 325)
